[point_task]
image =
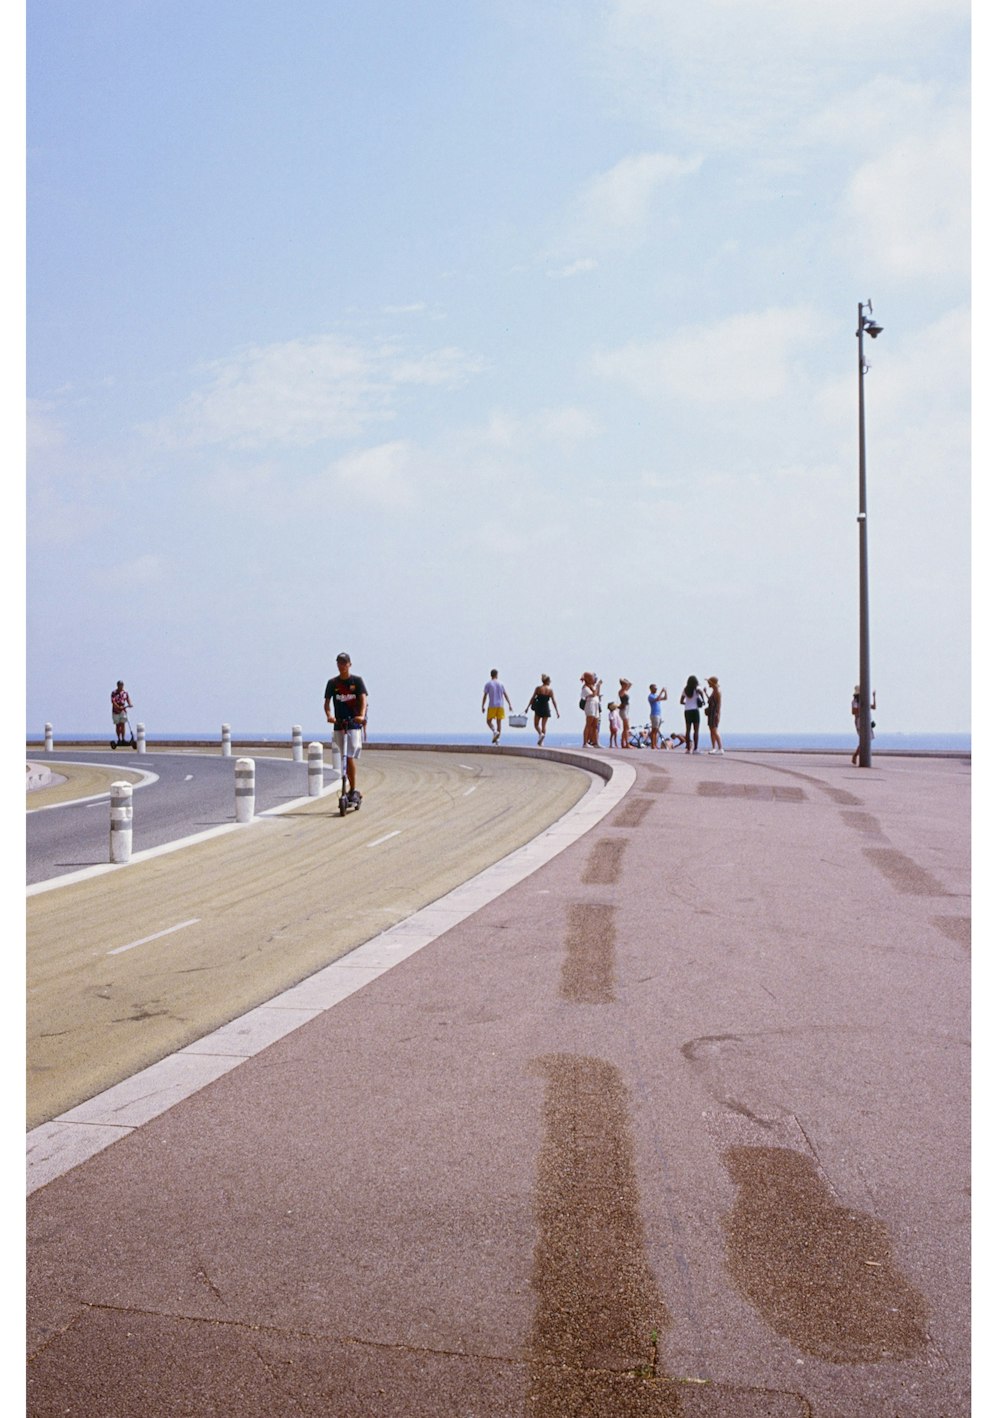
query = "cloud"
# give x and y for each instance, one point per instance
(302, 392)
(615, 208)
(908, 207)
(732, 74)
(746, 358)
(575, 268)
(385, 475)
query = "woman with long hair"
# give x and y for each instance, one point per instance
(692, 699)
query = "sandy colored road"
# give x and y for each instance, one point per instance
(130, 966)
(81, 781)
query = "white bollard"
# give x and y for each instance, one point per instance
(140, 737)
(245, 768)
(296, 743)
(48, 738)
(315, 769)
(121, 822)
(227, 742)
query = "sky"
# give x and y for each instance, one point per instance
(472, 334)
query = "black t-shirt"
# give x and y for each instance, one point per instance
(346, 695)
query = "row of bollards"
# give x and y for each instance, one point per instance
(245, 779)
(226, 740)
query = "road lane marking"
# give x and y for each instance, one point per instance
(379, 840)
(470, 790)
(120, 949)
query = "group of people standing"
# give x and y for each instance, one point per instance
(693, 700)
(543, 704)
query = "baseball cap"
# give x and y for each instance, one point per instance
(343, 656)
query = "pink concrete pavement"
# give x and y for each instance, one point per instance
(677, 1125)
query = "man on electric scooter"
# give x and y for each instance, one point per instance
(349, 697)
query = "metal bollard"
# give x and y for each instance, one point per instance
(121, 822)
(227, 742)
(48, 738)
(245, 768)
(315, 769)
(296, 743)
(140, 737)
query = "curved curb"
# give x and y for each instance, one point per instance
(65, 1142)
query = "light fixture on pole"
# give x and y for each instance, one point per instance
(866, 326)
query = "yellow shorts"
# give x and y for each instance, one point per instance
(492, 714)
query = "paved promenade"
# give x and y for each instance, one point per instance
(677, 1124)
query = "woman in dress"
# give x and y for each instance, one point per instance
(543, 701)
(713, 713)
(692, 699)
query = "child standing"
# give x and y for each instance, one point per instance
(614, 724)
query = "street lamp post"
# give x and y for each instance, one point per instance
(866, 326)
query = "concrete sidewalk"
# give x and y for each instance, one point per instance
(678, 1124)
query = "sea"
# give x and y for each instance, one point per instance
(772, 743)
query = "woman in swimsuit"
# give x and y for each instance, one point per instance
(543, 701)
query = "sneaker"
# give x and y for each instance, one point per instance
(354, 797)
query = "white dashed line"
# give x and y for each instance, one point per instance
(470, 790)
(120, 949)
(379, 840)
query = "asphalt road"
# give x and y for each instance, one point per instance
(188, 793)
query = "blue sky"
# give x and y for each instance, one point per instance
(474, 334)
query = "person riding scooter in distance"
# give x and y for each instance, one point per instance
(349, 697)
(120, 705)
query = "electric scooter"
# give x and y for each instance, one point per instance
(123, 743)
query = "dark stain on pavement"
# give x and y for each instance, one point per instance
(599, 1313)
(865, 823)
(758, 792)
(660, 784)
(605, 862)
(820, 1274)
(903, 872)
(956, 928)
(632, 812)
(588, 973)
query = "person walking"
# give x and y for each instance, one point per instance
(692, 700)
(120, 705)
(856, 714)
(542, 702)
(713, 713)
(349, 697)
(656, 697)
(590, 702)
(494, 695)
(624, 685)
